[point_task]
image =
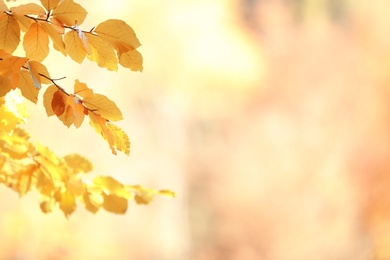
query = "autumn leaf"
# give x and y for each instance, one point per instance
(27, 87)
(74, 46)
(48, 98)
(28, 9)
(37, 69)
(75, 110)
(3, 6)
(115, 204)
(100, 104)
(102, 53)
(58, 102)
(82, 90)
(78, 163)
(50, 4)
(121, 140)
(9, 33)
(56, 37)
(67, 203)
(119, 34)
(131, 59)
(111, 186)
(36, 42)
(69, 12)
(9, 73)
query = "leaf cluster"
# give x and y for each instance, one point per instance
(25, 166)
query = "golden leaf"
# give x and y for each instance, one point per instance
(27, 87)
(37, 69)
(100, 125)
(131, 59)
(69, 12)
(75, 186)
(30, 8)
(67, 203)
(78, 163)
(76, 110)
(93, 198)
(115, 204)
(47, 99)
(47, 205)
(121, 140)
(9, 33)
(119, 34)
(36, 42)
(111, 186)
(82, 90)
(9, 73)
(74, 46)
(56, 37)
(102, 53)
(100, 104)
(50, 4)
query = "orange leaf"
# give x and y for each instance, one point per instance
(131, 59)
(3, 6)
(119, 34)
(50, 4)
(67, 203)
(69, 12)
(48, 98)
(102, 53)
(58, 103)
(9, 33)
(56, 37)
(30, 8)
(82, 90)
(74, 46)
(9, 73)
(100, 104)
(36, 42)
(115, 204)
(26, 85)
(77, 112)
(57, 25)
(37, 68)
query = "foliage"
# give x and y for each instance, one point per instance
(25, 166)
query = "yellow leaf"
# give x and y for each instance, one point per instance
(78, 163)
(115, 204)
(37, 69)
(100, 104)
(30, 8)
(131, 59)
(100, 125)
(56, 37)
(75, 186)
(82, 90)
(69, 12)
(67, 203)
(9, 33)
(47, 205)
(102, 53)
(36, 42)
(47, 99)
(50, 4)
(27, 87)
(121, 140)
(74, 46)
(119, 34)
(111, 186)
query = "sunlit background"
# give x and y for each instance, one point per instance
(270, 119)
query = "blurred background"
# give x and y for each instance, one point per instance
(270, 119)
